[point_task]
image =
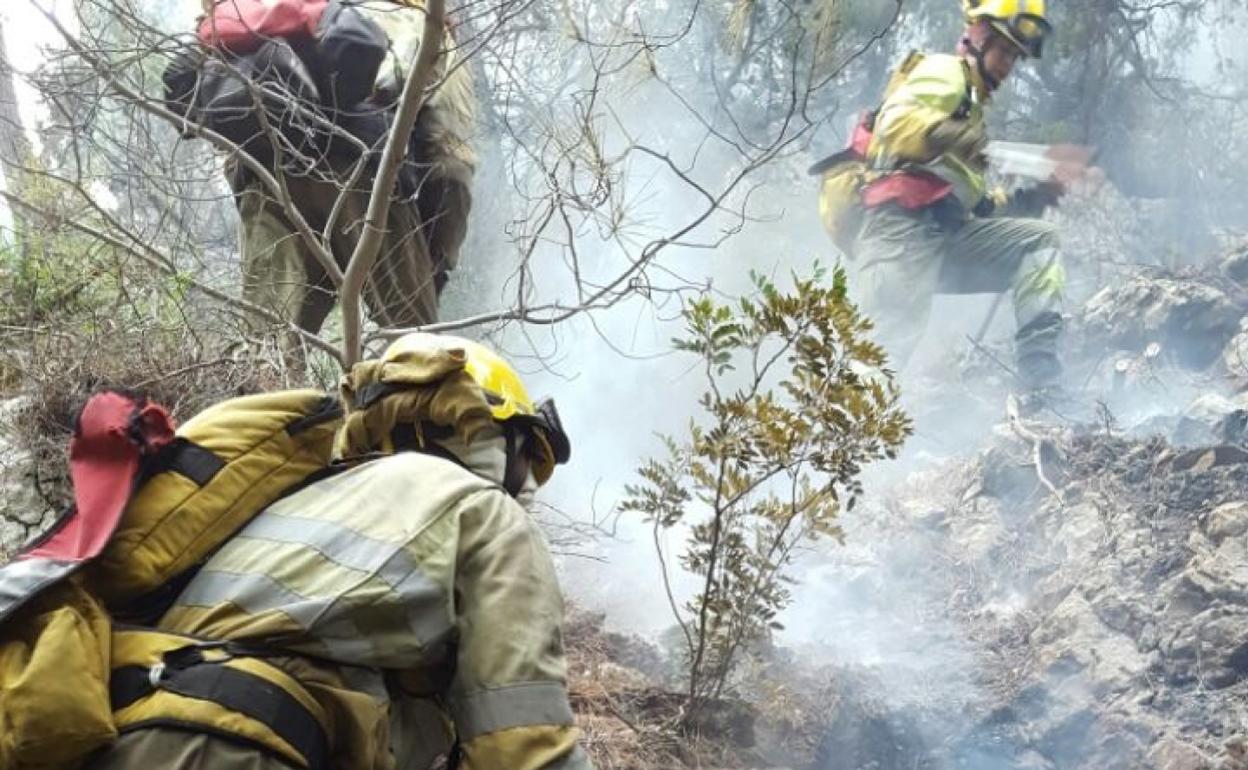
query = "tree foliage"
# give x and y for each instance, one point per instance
(798, 401)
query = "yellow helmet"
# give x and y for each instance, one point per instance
(505, 393)
(501, 384)
(1024, 23)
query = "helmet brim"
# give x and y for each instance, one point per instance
(1025, 32)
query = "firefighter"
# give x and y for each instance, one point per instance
(409, 602)
(928, 223)
(427, 220)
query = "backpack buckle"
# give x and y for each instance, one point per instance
(156, 674)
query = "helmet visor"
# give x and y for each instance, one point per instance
(1028, 31)
(549, 445)
(559, 441)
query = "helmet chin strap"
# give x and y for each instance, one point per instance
(977, 52)
(516, 472)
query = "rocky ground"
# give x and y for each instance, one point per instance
(1099, 597)
(1104, 594)
(1080, 582)
(1084, 573)
(25, 511)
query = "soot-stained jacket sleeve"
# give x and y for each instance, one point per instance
(508, 698)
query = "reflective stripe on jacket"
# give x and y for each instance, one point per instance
(412, 564)
(939, 88)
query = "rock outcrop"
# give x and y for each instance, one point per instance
(1191, 319)
(1108, 612)
(24, 513)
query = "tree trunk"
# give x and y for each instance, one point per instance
(14, 147)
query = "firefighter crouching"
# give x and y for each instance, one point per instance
(909, 201)
(399, 610)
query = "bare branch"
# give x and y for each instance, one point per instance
(271, 182)
(369, 246)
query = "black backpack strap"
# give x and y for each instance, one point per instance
(188, 459)
(186, 673)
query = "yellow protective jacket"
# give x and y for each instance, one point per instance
(424, 587)
(938, 89)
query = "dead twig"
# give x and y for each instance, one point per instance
(271, 181)
(158, 261)
(1037, 446)
(991, 357)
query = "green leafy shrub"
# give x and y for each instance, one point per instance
(798, 401)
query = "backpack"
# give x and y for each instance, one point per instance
(324, 56)
(151, 504)
(236, 97)
(343, 47)
(844, 174)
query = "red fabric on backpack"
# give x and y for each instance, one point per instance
(115, 434)
(242, 26)
(908, 190)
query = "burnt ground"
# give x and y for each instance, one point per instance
(1068, 592)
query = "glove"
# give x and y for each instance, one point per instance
(961, 138)
(1034, 200)
(994, 202)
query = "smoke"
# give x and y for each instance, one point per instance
(866, 607)
(872, 606)
(616, 380)
(876, 610)
(1166, 119)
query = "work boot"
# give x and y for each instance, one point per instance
(1039, 372)
(1035, 350)
(1038, 384)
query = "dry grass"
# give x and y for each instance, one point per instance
(606, 696)
(629, 721)
(57, 372)
(75, 327)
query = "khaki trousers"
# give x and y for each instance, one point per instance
(280, 273)
(906, 257)
(161, 748)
